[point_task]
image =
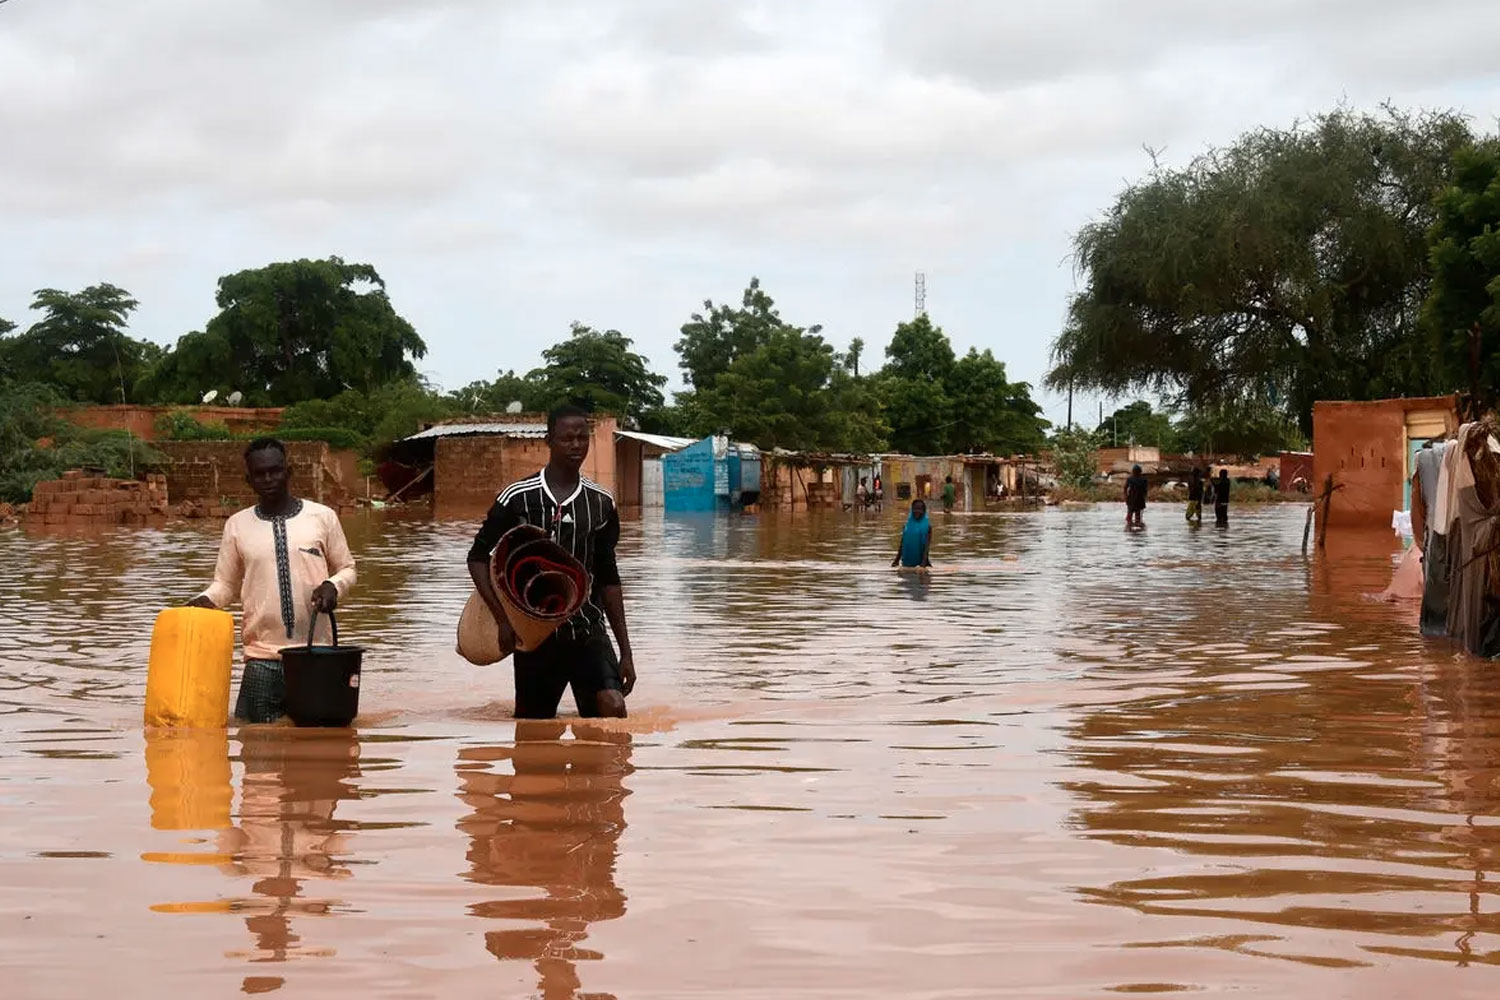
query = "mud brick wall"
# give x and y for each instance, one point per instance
(469, 470)
(213, 472)
(77, 499)
(141, 420)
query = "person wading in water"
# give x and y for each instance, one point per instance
(1136, 488)
(1221, 499)
(283, 559)
(916, 540)
(581, 517)
(1195, 498)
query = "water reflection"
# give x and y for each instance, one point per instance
(549, 826)
(1307, 797)
(286, 835)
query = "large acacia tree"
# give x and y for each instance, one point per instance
(1287, 268)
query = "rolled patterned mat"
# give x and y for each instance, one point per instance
(540, 586)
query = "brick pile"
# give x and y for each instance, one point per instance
(78, 499)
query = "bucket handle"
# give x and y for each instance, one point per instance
(312, 628)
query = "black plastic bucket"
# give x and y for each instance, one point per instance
(322, 682)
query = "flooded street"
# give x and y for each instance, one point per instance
(1072, 763)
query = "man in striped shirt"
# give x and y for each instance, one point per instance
(581, 517)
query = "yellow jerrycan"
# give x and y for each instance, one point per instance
(187, 681)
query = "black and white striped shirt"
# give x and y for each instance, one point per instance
(585, 523)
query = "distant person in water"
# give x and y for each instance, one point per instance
(950, 494)
(916, 539)
(1136, 488)
(1195, 497)
(1221, 499)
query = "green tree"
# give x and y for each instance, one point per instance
(294, 331)
(36, 444)
(713, 339)
(1138, 423)
(80, 346)
(599, 372)
(991, 414)
(371, 420)
(775, 396)
(1287, 268)
(856, 419)
(1462, 311)
(1073, 457)
(919, 366)
(497, 396)
(1239, 428)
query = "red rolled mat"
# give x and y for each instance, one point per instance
(540, 584)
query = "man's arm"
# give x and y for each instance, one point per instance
(340, 564)
(229, 571)
(607, 579)
(497, 522)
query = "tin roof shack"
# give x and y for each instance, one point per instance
(469, 461)
(638, 464)
(710, 476)
(1368, 448)
(1007, 482)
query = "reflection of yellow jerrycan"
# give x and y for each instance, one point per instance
(187, 682)
(188, 771)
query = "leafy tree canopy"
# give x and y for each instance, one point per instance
(1287, 268)
(294, 331)
(713, 339)
(599, 372)
(1462, 311)
(80, 346)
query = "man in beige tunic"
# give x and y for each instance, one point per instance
(284, 558)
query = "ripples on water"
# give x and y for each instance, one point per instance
(1072, 762)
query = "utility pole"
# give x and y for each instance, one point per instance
(921, 295)
(1070, 405)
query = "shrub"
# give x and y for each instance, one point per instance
(180, 425)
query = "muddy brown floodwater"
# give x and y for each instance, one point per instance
(1072, 763)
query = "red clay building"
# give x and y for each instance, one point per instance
(1368, 449)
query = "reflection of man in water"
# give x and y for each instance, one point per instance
(287, 835)
(551, 826)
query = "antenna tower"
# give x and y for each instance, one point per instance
(921, 294)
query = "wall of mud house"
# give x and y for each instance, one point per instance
(906, 478)
(213, 472)
(798, 487)
(1366, 446)
(141, 420)
(470, 470)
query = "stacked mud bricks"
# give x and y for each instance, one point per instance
(79, 499)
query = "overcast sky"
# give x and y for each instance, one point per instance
(509, 167)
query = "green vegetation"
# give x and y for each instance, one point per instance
(1462, 311)
(1287, 268)
(36, 444)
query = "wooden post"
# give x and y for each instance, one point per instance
(1327, 501)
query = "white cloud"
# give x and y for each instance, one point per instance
(511, 167)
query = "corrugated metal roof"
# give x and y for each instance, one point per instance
(657, 440)
(504, 430)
